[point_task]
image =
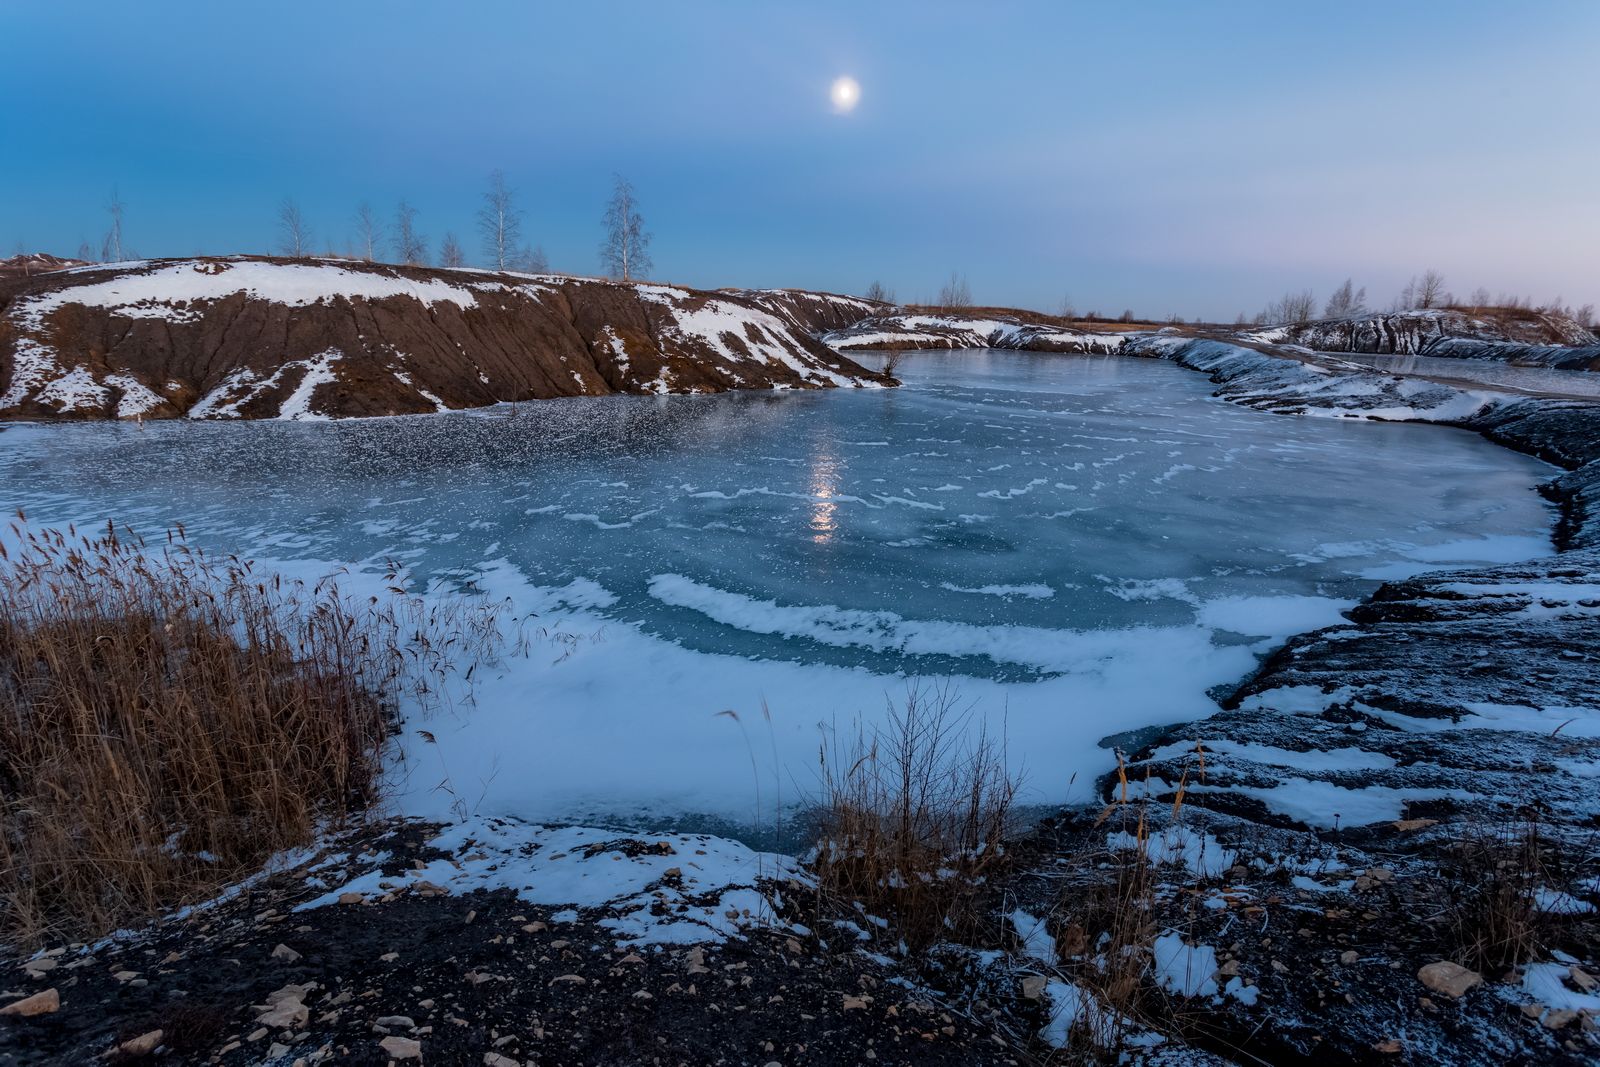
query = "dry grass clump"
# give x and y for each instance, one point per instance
(168, 720)
(1109, 916)
(1493, 875)
(915, 816)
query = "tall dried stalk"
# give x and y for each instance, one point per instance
(168, 720)
(915, 816)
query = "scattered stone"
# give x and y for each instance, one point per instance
(285, 1008)
(1033, 986)
(40, 967)
(1558, 1018)
(1350, 958)
(351, 898)
(1406, 826)
(1451, 979)
(570, 979)
(285, 953)
(125, 976)
(397, 1022)
(534, 927)
(39, 1004)
(1582, 978)
(142, 1045)
(695, 962)
(494, 1059)
(401, 1048)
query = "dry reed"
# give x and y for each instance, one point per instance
(168, 720)
(915, 816)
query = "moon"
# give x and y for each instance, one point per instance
(845, 94)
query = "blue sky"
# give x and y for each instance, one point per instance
(1176, 157)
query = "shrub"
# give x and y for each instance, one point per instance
(168, 720)
(915, 816)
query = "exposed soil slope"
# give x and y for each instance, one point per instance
(31, 263)
(272, 338)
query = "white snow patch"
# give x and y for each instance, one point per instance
(720, 889)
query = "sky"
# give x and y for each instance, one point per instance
(1168, 157)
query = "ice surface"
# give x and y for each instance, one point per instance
(678, 557)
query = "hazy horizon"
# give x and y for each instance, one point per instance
(1170, 160)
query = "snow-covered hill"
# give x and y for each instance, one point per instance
(251, 337)
(974, 330)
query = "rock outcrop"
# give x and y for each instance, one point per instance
(253, 337)
(1421, 331)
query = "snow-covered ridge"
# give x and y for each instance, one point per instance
(160, 293)
(250, 337)
(1328, 387)
(914, 330)
(1420, 331)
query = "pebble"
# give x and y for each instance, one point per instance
(1451, 979)
(397, 1022)
(285, 953)
(142, 1045)
(39, 1004)
(402, 1048)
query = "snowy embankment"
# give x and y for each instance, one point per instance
(1421, 331)
(259, 338)
(1325, 387)
(952, 330)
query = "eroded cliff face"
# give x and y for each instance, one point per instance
(1421, 331)
(250, 337)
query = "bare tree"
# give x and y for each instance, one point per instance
(955, 293)
(1066, 310)
(1430, 290)
(499, 222)
(877, 292)
(1292, 307)
(450, 254)
(1407, 298)
(1480, 299)
(1345, 302)
(111, 247)
(625, 252)
(891, 361)
(410, 247)
(1126, 316)
(294, 237)
(1584, 316)
(529, 261)
(369, 232)
(85, 252)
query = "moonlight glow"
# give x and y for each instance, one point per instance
(846, 93)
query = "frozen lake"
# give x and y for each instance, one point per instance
(1086, 544)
